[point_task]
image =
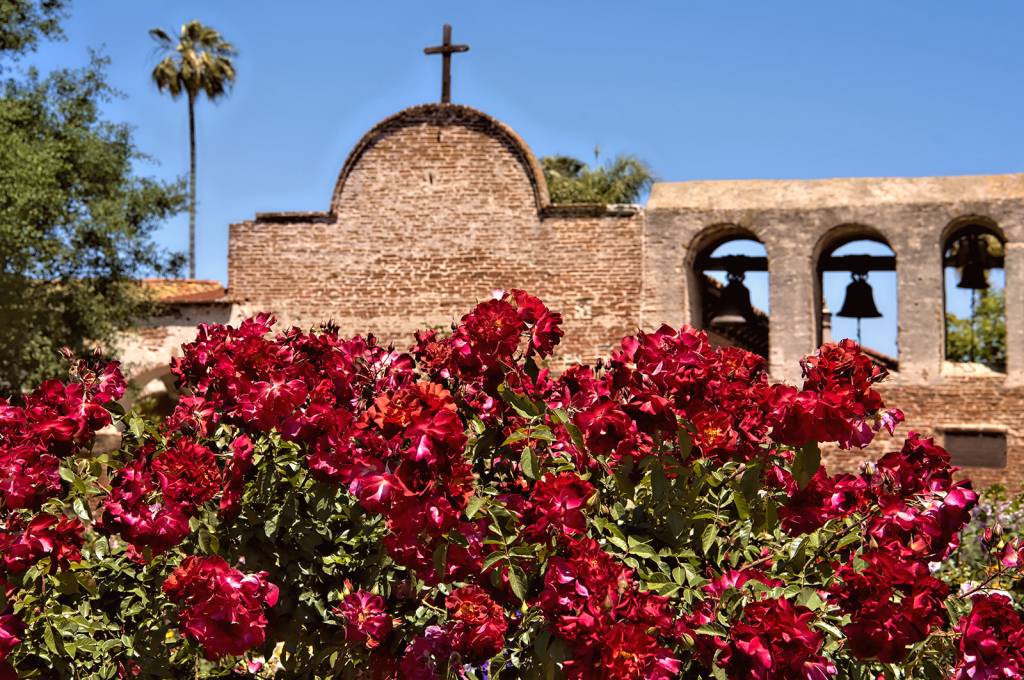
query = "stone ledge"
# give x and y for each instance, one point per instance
(591, 210)
(294, 217)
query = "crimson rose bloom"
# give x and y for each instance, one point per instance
(365, 618)
(991, 637)
(559, 501)
(45, 536)
(775, 643)
(234, 484)
(480, 624)
(188, 475)
(10, 628)
(221, 608)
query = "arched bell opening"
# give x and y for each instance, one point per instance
(732, 274)
(975, 295)
(857, 279)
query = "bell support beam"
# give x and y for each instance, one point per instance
(733, 263)
(858, 263)
(991, 262)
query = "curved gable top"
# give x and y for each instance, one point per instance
(447, 115)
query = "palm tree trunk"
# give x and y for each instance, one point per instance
(192, 188)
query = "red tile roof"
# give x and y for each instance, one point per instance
(172, 291)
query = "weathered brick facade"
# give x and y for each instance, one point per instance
(434, 209)
(440, 204)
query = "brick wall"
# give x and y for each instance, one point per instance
(976, 403)
(435, 208)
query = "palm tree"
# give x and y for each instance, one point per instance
(621, 180)
(199, 62)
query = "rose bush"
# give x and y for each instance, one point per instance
(325, 507)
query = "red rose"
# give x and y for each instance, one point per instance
(775, 642)
(188, 475)
(365, 618)
(45, 536)
(991, 640)
(559, 501)
(220, 608)
(234, 484)
(480, 623)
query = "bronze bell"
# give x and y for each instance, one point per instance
(860, 301)
(973, 275)
(734, 305)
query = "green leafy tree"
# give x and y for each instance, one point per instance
(199, 62)
(981, 338)
(75, 221)
(621, 180)
(24, 22)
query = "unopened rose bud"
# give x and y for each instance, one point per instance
(998, 530)
(870, 469)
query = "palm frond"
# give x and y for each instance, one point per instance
(200, 61)
(621, 180)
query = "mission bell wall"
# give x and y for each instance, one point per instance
(435, 209)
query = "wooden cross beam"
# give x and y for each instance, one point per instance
(445, 50)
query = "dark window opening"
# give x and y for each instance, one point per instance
(976, 449)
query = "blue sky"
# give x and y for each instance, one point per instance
(727, 90)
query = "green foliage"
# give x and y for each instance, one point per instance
(24, 22)
(621, 180)
(199, 62)
(989, 333)
(975, 566)
(75, 222)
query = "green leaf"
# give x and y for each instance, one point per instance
(530, 464)
(691, 573)
(740, 501)
(707, 539)
(518, 402)
(82, 510)
(624, 483)
(712, 628)
(750, 482)
(668, 589)
(577, 437)
(771, 516)
(847, 540)
(441, 559)
(517, 579)
(48, 638)
(207, 541)
(659, 483)
(685, 443)
(540, 645)
(474, 504)
(138, 427)
(643, 550)
(806, 462)
(491, 560)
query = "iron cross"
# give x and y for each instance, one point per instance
(445, 50)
